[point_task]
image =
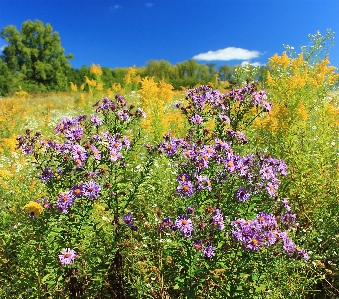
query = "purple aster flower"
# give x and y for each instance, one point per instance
(115, 144)
(128, 219)
(203, 183)
(67, 256)
(271, 189)
(77, 191)
(96, 120)
(165, 223)
(96, 152)
(197, 245)
(127, 142)
(64, 201)
(218, 219)
(63, 125)
(123, 115)
(74, 133)
(242, 194)
(183, 178)
(184, 224)
(196, 119)
(224, 118)
(267, 172)
(79, 154)
(91, 189)
(47, 174)
(209, 251)
(47, 204)
(185, 190)
(141, 112)
(114, 155)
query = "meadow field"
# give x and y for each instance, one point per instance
(219, 191)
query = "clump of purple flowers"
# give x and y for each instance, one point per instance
(263, 231)
(129, 221)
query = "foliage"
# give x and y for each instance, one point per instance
(36, 53)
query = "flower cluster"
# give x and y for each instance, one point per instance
(263, 231)
(215, 163)
(203, 228)
(129, 221)
(34, 209)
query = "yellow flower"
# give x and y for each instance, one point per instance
(279, 61)
(33, 208)
(95, 69)
(74, 87)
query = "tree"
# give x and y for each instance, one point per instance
(36, 52)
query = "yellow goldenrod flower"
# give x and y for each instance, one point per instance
(95, 69)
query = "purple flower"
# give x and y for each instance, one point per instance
(67, 256)
(47, 204)
(96, 152)
(128, 219)
(74, 133)
(79, 154)
(114, 155)
(218, 219)
(166, 223)
(77, 191)
(127, 142)
(242, 194)
(184, 224)
(196, 119)
(185, 190)
(141, 112)
(203, 183)
(123, 115)
(47, 174)
(271, 189)
(197, 245)
(64, 201)
(209, 251)
(91, 189)
(183, 178)
(96, 120)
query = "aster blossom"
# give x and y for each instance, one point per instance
(67, 256)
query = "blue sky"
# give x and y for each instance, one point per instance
(123, 33)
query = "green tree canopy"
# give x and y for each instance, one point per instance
(36, 52)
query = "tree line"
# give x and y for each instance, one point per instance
(35, 60)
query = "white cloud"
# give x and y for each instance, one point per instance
(251, 63)
(148, 4)
(2, 48)
(115, 7)
(230, 53)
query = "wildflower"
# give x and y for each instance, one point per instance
(242, 194)
(186, 189)
(197, 245)
(96, 152)
(75, 133)
(185, 225)
(196, 119)
(67, 256)
(64, 201)
(203, 182)
(91, 189)
(79, 154)
(166, 223)
(128, 219)
(47, 204)
(33, 209)
(96, 120)
(218, 219)
(141, 112)
(77, 190)
(114, 155)
(209, 251)
(47, 174)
